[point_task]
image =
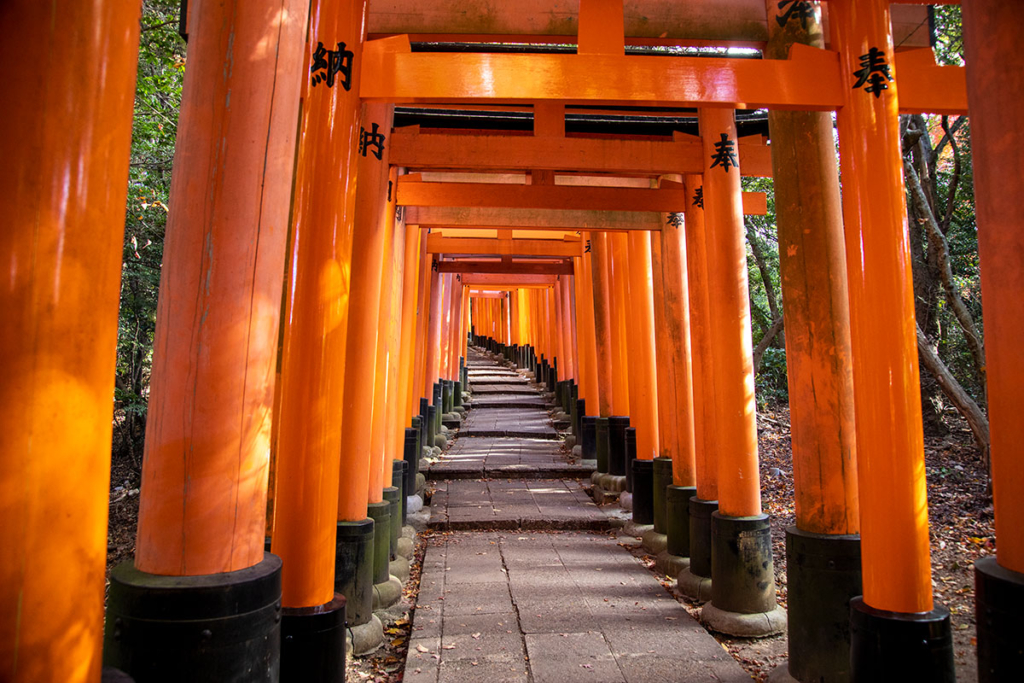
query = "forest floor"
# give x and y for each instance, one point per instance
(959, 510)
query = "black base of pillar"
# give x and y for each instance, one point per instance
(457, 393)
(602, 443)
(662, 480)
(643, 491)
(630, 458)
(353, 569)
(393, 496)
(886, 647)
(400, 478)
(742, 573)
(313, 643)
(588, 438)
(677, 518)
(216, 628)
(823, 576)
(380, 513)
(431, 426)
(999, 600)
(617, 426)
(700, 535)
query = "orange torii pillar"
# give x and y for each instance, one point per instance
(823, 549)
(433, 360)
(994, 82)
(420, 402)
(308, 418)
(743, 578)
(897, 633)
(68, 71)
(643, 368)
(562, 366)
(681, 479)
(588, 405)
(603, 323)
(622, 375)
(408, 427)
(695, 581)
(382, 461)
(200, 546)
(361, 556)
(456, 361)
(572, 358)
(442, 388)
(666, 392)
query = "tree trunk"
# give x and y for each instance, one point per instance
(765, 342)
(975, 417)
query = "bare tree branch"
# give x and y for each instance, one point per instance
(766, 341)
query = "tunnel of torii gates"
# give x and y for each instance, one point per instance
(360, 194)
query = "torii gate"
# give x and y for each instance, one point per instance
(201, 526)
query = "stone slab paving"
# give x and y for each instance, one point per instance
(529, 424)
(479, 458)
(522, 390)
(552, 608)
(515, 504)
(510, 401)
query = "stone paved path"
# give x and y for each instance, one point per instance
(506, 603)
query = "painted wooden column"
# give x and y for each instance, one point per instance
(823, 549)
(586, 326)
(308, 417)
(369, 247)
(618, 286)
(743, 579)
(409, 341)
(559, 327)
(423, 294)
(994, 81)
(433, 350)
(667, 438)
(573, 317)
(65, 148)
(204, 475)
(890, 463)
(640, 318)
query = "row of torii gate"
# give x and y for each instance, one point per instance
(620, 259)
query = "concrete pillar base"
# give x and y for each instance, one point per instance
(204, 628)
(353, 569)
(601, 444)
(413, 504)
(670, 564)
(643, 490)
(700, 535)
(655, 542)
(577, 452)
(380, 513)
(366, 638)
(662, 480)
(677, 519)
(406, 548)
(756, 625)
(617, 426)
(895, 646)
(393, 497)
(612, 483)
(635, 530)
(999, 605)
(440, 441)
(626, 503)
(399, 567)
(694, 586)
(386, 593)
(313, 642)
(742, 568)
(780, 674)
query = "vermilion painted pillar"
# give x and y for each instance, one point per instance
(368, 249)
(426, 277)
(619, 283)
(433, 349)
(667, 438)
(67, 133)
(823, 549)
(308, 417)
(408, 343)
(890, 449)
(204, 475)
(559, 327)
(743, 580)
(994, 82)
(643, 362)
(586, 327)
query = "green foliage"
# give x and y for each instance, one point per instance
(772, 382)
(157, 101)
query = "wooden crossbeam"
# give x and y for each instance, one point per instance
(694, 22)
(416, 193)
(506, 268)
(436, 217)
(438, 244)
(581, 155)
(808, 80)
(507, 281)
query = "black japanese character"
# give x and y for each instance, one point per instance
(369, 139)
(433, 266)
(724, 155)
(804, 11)
(675, 220)
(399, 212)
(586, 249)
(698, 197)
(874, 73)
(329, 63)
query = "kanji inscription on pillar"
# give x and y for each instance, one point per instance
(675, 220)
(698, 197)
(586, 249)
(804, 11)
(725, 154)
(329, 64)
(371, 139)
(873, 75)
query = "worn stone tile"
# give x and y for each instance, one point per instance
(477, 598)
(471, 671)
(572, 657)
(423, 667)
